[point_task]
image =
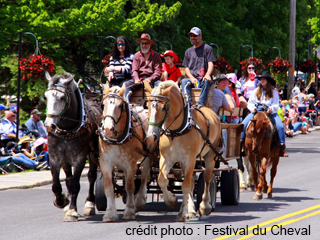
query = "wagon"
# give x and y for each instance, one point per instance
(225, 180)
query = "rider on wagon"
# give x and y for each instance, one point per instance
(265, 94)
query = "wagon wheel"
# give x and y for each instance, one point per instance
(101, 200)
(230, 194)
(212, 191)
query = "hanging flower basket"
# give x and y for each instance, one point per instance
(307, 66)
(222, 65)
(35, 66)
(106, 59)
(279, 65)
(255, 61)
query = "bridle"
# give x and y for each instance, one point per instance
(125, 108)
(68, 99)
(154, 104)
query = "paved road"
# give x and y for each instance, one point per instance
(30, 214)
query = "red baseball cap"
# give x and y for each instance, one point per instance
(172, 54)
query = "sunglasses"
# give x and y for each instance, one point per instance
(193, 36)
(144, 43)
(251, 68)
(121, 44)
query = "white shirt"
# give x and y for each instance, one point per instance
(272, 103)
(295, 91)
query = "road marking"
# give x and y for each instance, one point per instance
(279, 219)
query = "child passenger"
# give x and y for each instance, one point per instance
(171, 71)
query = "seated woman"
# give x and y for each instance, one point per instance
(265, 94)
(30, 152)
(18, 158)
(120, 66)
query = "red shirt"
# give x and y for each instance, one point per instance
(236, 99)
(173, 73)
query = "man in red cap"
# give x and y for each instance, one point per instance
(171, 71)
(146, 66)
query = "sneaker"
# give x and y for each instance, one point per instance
(39, 165)
(45, 168)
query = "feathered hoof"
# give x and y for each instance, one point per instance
(269, 195)
(172, 202)
(62, 203)
(129, 214)
(139, 208)
(110, 216)
(257, 196)
(89, 209)
(182, 218)
(70, 216)
(205, 209)
(192, 215)
(265, 189)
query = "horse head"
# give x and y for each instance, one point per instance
(258, 129)
(115, 111)
(164, 99)
(60, 99)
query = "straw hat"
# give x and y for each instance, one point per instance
(145, 36)
(25, 139)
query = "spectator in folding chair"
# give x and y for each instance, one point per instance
(312, 111)
(19, 158)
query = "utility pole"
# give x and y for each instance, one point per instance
(292, 45)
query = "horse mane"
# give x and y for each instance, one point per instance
(56, 79)
(164, 85)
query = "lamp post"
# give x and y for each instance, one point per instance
(270, 54)
(213, 44)
(241, 56)
(159, 43)
(19, 76)
(101, 50)
(316, 73)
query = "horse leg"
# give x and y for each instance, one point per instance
(111, 212)
(186, 188)
(165, 166)
(145, 176)
(129, 212)
(247, 164)
(89, 207)
(273, 172)
(205, 206)
(252, 159)
(258, 190)
(74, 187)
(264, 183)
(240, 171)
(60, 200)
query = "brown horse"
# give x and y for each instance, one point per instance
(123, 130)
(259, 136)
(182, 142)
(71, 123)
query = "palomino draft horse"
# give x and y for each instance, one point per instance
(71, 123)
(123, 130)
(259, 137)
(183, 139)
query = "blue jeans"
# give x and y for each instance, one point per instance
(296, 126)
(275, 119)
(205, 87)
(21, 160)
(45, 158)
(137, 87)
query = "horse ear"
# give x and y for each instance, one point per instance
(253, 120)
(121, 91)
(147, 87)
(48, 77)
(106, 88)
(166, 91)
(265, 122)
(68, 80)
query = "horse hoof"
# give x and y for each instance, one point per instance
(257, 196)
(110, 216)
(89, 209)
(182, 218)
(70, 216)
(61, 204)
(129, 213)
(205, 209)
(172, 203)
(192, 215)
(139, 208)
(269, 195)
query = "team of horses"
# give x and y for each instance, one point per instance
(110, 132)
